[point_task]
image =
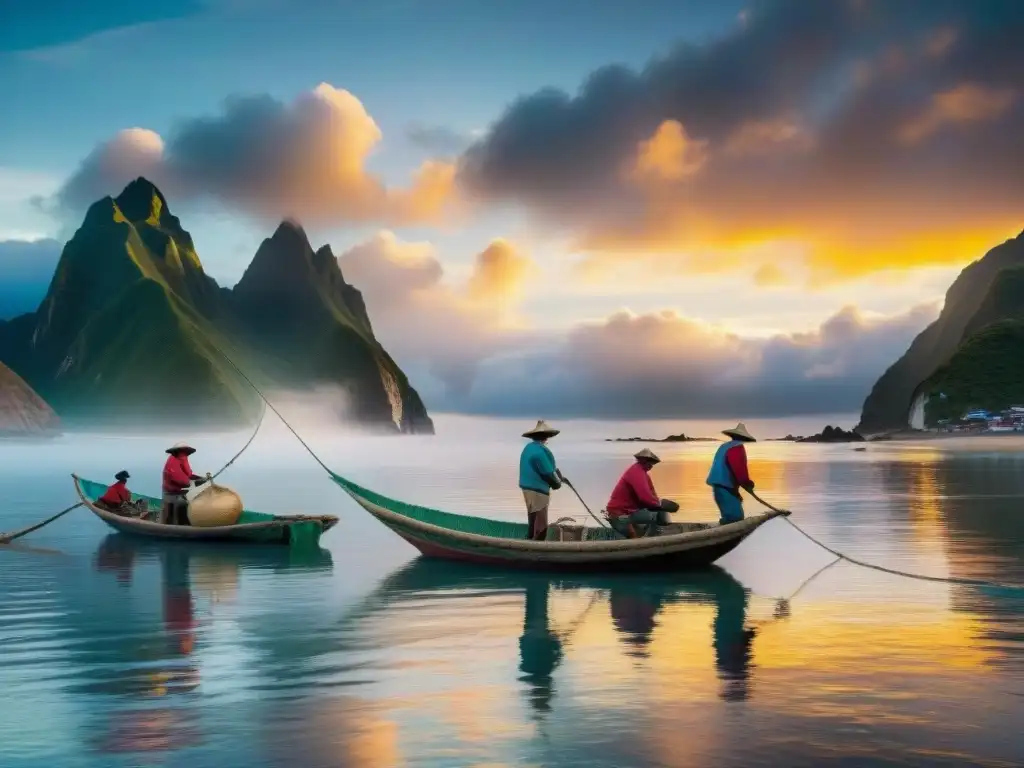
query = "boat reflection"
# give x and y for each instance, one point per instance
(145, 661)
(634, 604)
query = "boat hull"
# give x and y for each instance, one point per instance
(282, 531)
(685, 551)
(686, 560)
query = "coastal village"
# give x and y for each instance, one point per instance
(981, 420)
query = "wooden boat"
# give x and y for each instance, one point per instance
(253, 527)
(676, 547)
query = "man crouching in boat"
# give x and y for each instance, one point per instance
(178, 475)
(729, 473)
(538, 476)
(118, 499)
(634, 500)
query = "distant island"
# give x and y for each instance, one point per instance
(829, 434)
(680, 438)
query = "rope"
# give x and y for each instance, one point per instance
(7, 538)
(270, 405)
(599, 521)
(894, 571)
(259, 423)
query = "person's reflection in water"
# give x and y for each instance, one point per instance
(634, 612)
(179, 609)
(131, 728)
(733, 640)
(540, 649)
(116, 558)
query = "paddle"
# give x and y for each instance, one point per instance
(7, 538)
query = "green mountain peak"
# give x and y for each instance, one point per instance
(131, 326)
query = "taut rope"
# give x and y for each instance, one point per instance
(7, 538)
(894, 571)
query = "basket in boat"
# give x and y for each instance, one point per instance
(214, 505)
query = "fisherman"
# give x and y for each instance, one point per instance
(634, 500)
(178, 475)
(118, 499)
(729, 473)
(538, 476)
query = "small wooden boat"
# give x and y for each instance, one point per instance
(676, 547)
(253, 527)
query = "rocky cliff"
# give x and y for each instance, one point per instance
(971, 305)
(22, 412)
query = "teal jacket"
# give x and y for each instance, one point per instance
(537, 471)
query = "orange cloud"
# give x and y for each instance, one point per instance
(964, 104)
(818, 147)
(669, 155)
(499, 272)
(305, 160)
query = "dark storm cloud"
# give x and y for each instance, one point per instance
(831, 118)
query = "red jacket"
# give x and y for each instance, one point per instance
(736, 458)
(117, 494)
(633, 491)
(178, 474)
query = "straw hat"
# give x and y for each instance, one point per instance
(740, 433)
(180, 447)
(541, 430)
(648, 454)
(122, 475)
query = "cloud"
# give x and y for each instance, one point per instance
(665, 365)
(861, 135)
(429, 324)
(304, 160)
(26, 267)
(962, 105)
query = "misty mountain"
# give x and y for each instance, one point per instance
(132, 328)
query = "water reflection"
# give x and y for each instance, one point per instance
(540, 649)
(151, 671)
(634, 604)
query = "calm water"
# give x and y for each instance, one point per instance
(118, 653)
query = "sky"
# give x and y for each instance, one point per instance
(660, 209)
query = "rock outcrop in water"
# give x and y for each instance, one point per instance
(986, 292)
(832, 434)
(680, 438)
(131, 328)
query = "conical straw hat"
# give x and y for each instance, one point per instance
(180, 447)
(542, 428)
(648, 454)
(740, 433)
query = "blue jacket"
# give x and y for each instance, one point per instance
(720, 473)
(537, 468)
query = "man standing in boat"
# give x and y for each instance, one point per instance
(634, 499)
(538, 476)
(729, 473)
(178, 475)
